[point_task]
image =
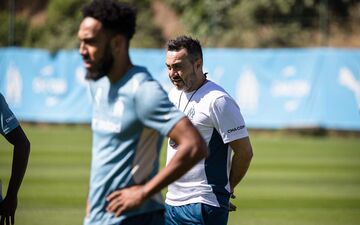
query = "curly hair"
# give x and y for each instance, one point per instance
(117, 17)
(192, 46)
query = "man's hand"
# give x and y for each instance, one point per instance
(125, 199)
(232, 207)
(7, 211)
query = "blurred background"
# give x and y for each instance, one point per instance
(293, 66)
(51, 24)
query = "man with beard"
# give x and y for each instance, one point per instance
(202, 195)
(14, 134)
(131, 114)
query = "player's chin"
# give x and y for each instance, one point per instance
(95, 75)
(88, 64)
(180, 88)
(179, 85)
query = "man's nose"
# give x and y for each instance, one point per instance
(82, 49)
(172, 72)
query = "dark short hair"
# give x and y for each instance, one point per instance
(117, 17)
(192, 46)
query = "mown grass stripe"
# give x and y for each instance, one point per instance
(293, 180)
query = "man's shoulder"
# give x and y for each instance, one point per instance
(2, 100)
(215, 95)
(215, 86)
(140, 72)
(213, 91)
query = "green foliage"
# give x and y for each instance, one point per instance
(63, 17)
(206, 19)
(225, 23)
(147, 34)
(3, 29)
(261, 23)
(21, 28)
(60, 29)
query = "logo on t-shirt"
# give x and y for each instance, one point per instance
(191, 113)
(10, 118)
(235, 129)
(118, 109)
(105, 125)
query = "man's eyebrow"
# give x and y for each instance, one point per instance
(89, 38)
(174, 64)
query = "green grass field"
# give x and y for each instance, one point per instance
(292, 180)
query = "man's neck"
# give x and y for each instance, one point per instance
(200, 82)
(119, 70)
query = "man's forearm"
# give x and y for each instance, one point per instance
(20, 160)
(190, 150)
(239, 167)
(182, 161)
(243, 154)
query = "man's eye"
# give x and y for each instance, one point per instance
(89, 41)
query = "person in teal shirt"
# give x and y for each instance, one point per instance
(14, 134)
(131, 114)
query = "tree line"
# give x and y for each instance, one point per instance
(53, 24)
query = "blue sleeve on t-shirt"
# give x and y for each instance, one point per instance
(154, 108)
(8, 121)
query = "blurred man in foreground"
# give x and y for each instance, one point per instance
(14, 134)
(202, 195)
(131, 114)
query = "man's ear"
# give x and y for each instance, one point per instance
(118, 43)
(198, 63)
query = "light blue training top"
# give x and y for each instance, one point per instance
(130, 119)
(8, 121)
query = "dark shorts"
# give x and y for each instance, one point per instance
(151, 218)
(195, 214)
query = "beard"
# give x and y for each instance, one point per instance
(103, 67)
(188, 83)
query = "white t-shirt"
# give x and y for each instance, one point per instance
(217, 117)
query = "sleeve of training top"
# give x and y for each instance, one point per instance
(154, 108)
(227, 119)
(8, 121)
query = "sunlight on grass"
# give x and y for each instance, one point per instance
(292, 180)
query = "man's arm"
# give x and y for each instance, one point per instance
(21, 153)
(190, 150)
(240, 161)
